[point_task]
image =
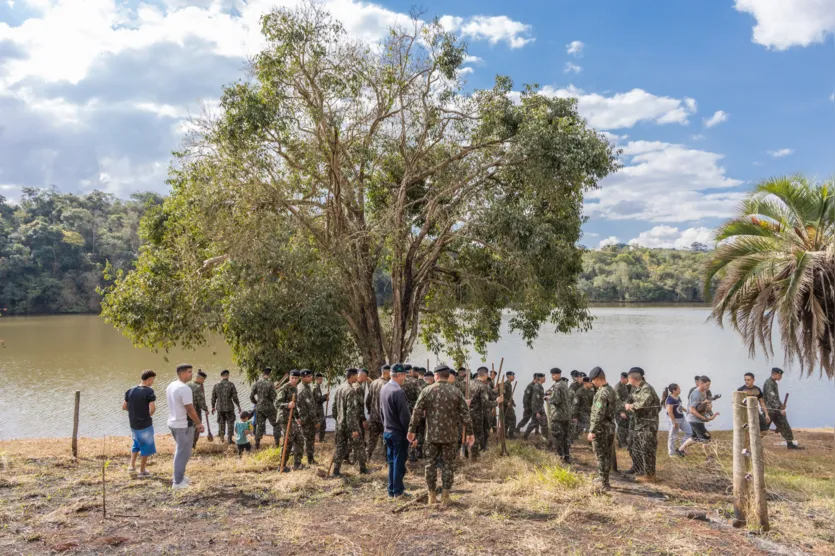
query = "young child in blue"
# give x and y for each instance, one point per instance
(243, 428)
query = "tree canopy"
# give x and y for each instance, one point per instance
(337, 161)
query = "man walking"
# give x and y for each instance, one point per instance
(508, 405)
(646, 405)
(442, 408)
(536, 405)
(286, 400)
(393, 409)
(182, 422)
(140, 403)
(375, 418)
(751, 389)
(224, 401)
(777, 409)
(479, 406)
(526, 404)
(412, 387)
(602, 425)
(582, 406)
(321, 399)
(346, 413)
(263, 396)
(199, 397)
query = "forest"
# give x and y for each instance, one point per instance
(54, 247)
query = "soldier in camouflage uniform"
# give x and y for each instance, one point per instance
(776, 409)
(360, 391)
(509, 406)
(622, 389)
(263, 396)
(646, 406)
(441, 409)
(412, 388)
(561, 409)
(320, 398)
(536, 404)
(346, 413)
(480, 405)
(224, 400)
(605, 406)
(307, 413)
(372, 405)
(199, 397)
(576, 384)
(526, 405)
(581, 414)
(286, 400)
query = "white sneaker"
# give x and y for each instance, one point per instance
(186, 480)
(181, 486)
(131, 470)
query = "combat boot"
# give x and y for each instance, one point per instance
(433, 497)
(445, 498)
(336, 472)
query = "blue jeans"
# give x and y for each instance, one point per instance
(397, 450)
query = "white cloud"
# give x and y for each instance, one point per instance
(493, 29)
(669, 237)
(664, 182)
(575, 48)
(469, 59)
(698, 137)
(572, 68)
(717, 118)
(623, 110)
(832, 97)
(611, 240)
(465, 71)
(782, 24)
(781, 153)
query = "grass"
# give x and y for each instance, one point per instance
(526, 503)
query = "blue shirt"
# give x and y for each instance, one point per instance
(241, 428)
(677, 413)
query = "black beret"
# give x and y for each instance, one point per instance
(385, 368)
(201, 373)
(556, 371)
(224, 372)
(295, 372)
(510, 373)
(595, 372)
(407, 367)
(637, 370)
(565, 378)
(319, 375)
(464, 369)
(363, 371)
(427, 373)
(586, 379)
(777, 370)
(267, 371)
(307, 372)
(575, 374)
(624, 374)
(397, 368)
(351, 372)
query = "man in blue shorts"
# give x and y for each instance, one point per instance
(140, 405)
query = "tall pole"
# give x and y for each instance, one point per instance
(759, 505)
(740, 462)
(75, 425)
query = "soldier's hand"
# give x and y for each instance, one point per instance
(767, 419)
(327, 396)
(574, 420)
(623, 416)
(355, 434)
(318, 426)
(200, 428)
(410, 437)
(470, 441)
(783, 412)
(628, 407)
(500, 399)
(591, 436)
(291, 405)
(468, 402)
(365, 424)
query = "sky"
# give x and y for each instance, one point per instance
(704, 98)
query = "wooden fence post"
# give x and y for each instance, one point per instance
(758, 509)
(740, 462)
(75, 425)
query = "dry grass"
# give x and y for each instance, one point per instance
(527, 503)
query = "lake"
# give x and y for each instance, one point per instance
(46, 359)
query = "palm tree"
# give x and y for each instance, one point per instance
(776, 260)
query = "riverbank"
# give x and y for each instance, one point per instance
(526, 503)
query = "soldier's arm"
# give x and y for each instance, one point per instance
(418, 414)
(235, 398)
(252, 394)
(214, 396)
(464, 414)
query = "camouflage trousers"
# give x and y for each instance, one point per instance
(226, 424)
(417, 451)
(478, 432)
(559, 433)
(295, 441)
(623, 431)
(580, 426)
(309, 437)
(603, 444)
(440, 455)
(644, 447)
(781, 424)
(323, 426)
(261, 418)
(510, 422)
(535, 423)
(375, 432)
(345, 443)
(487, 424)
(526, 416)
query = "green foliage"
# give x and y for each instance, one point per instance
(53, 248)
(777, 261)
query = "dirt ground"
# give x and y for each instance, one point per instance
(526, 503)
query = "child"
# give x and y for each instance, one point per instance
(242, 429)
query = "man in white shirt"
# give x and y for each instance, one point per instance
(182, 421)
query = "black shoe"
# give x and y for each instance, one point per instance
(793, 446)
(299, 466)
(631, 471)
(336, 473)
(311, 461)
(286, 470)
(364, 471)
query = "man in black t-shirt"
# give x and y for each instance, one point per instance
(140, 405)
(751, 390)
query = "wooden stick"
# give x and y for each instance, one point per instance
(104, 479)
(287, 436)
(759, 506)
(740, 464)
(328, 400)
(411, 503)
(502, 432)
(785, 401)
(209, 436)
(75, 425)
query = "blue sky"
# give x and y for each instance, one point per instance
(705, 98)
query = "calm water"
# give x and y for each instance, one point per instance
(46, 359)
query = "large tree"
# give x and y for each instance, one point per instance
(776, 262)
(375, 159)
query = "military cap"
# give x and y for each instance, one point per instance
(510, 373)
(385, 368)
(201, 373)
(586, 379)
(565, 378)
(319, 375)
(427, 373)
(440, 368)
(624, 374)
(582, 374)
(295, 372)
(307, 372)
(267, 371)
(777, 370)
(637, 370)
(462, 369)
(556, 371)
(351, 372)
(363, 371)
(224, 372)
(594, 373)
(407, 367)
(575, 373)
(398, 368)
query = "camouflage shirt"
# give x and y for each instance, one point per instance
(646, 407)
(526, 397)
(307, 410)
(359, 392)
(199, 396)
(560, 402)
(319, 397)
(225, 396)
(283, 399)
(622, 390)
(582, 402)
(604, 406)
(772, 395)
(263, 395)
(372, 402)
(346, 409)
(480, 402)
(507, 394)
(444, 409)
(537, 398)
(412, 390)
